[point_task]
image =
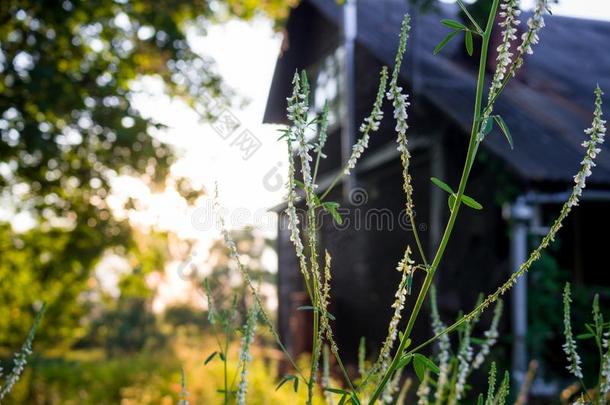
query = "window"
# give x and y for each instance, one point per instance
(327, 85)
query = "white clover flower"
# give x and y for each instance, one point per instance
(509, 23)
(444, 346)
(530, 38)
(391, 388)
(296, 111)
(297, 114)
(464, 358)
(605, 367)
(423, 391)
(491, 337)
(400, 103)
(370, 124)
(596, 134)
(244, 354)
(406, 267)
(569, 347)
(509, 14)
(357, 151)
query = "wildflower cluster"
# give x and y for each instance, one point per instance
(599, 332)
(454, 370)
(505, 67)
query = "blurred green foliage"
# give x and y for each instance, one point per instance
(152, 377)
(545, 315)
(68, 127)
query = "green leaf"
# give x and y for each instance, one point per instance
(336, 391)
(442, 185)
(445, 41)
(480, 400)
(289, 377)
(469, 44)
(304, 81)
(421, 363)
(456, 25)
(285, 132)
(471, 202)
(332, 209)
(451, 201)
(404, 361)
(222, 356)
(585, 336)
(419, 366)
(210, 358)
(504, 129)
(472, 20)
(468, 201)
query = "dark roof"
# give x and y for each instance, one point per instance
(546, 110)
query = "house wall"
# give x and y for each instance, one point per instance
(366, 253)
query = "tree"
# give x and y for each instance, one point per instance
(68, 127)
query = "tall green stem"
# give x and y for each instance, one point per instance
(226, 372)
(315, 344)
(472, 150)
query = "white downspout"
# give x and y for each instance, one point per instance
(348, 127)
(521, 215)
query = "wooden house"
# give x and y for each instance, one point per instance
(547, 107)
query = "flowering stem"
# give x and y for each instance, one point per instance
(472, 148)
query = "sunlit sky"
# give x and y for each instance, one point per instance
(245, 55)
